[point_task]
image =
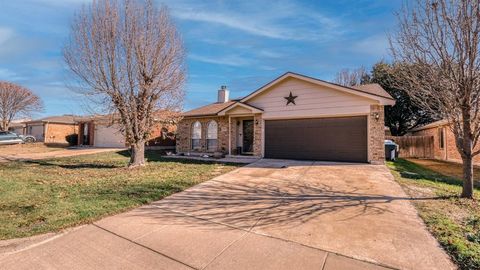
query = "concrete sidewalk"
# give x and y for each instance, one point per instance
(167, 240)
(268, 215)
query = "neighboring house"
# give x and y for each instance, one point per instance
(292, 117)
(17, 128)
(53, 129)
(444, 147)
(104, 131)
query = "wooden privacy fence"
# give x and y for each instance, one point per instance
(414, 146)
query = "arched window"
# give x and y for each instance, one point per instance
(196, 135)
(212, 133)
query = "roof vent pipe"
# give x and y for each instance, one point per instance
(223, 94)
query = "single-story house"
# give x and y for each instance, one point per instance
(104, 131)
(444, 147)
(53, 129)
(291, 117)
(17, 128)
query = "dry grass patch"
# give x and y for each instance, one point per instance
(446, 168)
(49, 195)
(29, 148)
(455, 222)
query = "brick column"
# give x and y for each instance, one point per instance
(376, 134)
(257, 135)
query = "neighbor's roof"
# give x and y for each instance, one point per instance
(63, 119)
(159, 116)
(16, 124)
(435, 124)
(210, 109)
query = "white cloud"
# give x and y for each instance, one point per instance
(5, 34)
(270, 53)
(8, 75)
(376, 45)
(232, 60)
(283, 20)
(232, 22)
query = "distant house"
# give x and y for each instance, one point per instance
(444, 147)
(17, 128)
(104, 131)
(53, 129)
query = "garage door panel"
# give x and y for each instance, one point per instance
(108, 136)
(336, 139)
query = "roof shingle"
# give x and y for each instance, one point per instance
(210, 109)
(373, 88)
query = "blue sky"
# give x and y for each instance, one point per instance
(241, 44)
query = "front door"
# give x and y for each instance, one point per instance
(248, 136)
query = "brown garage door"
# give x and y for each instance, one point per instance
(332, 139)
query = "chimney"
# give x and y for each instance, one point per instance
(223, 94)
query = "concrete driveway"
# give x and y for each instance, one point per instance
(271, 214)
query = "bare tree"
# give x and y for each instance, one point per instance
(129, 58)
(353, 77)
(16, 101)
(437, 50)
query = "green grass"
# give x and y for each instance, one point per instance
(455, 222)
(44, 196)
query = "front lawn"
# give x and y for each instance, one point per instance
(28, 148)
(43, 196)
(453, 221)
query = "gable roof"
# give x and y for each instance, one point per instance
(240, 104)
(210, 109)
(62, 119)
(435, 124)
(372, 91)
(373, 88)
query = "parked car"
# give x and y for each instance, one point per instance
(7, 137)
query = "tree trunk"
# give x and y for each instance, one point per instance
(137, 155)
(467, 191)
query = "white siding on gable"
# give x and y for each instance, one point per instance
(239, 110)
(312, 101)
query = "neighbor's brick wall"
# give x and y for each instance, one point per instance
(376, 132)
(184, 131)
(449, 152)
(56, 133)
(438, 152)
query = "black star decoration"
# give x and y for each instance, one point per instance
(291, 99)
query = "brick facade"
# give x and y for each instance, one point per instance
(376, 135)
(257, 135)
(449, 151)
(56, 133)
(184, 131)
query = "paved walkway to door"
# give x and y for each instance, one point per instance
(271, 214)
